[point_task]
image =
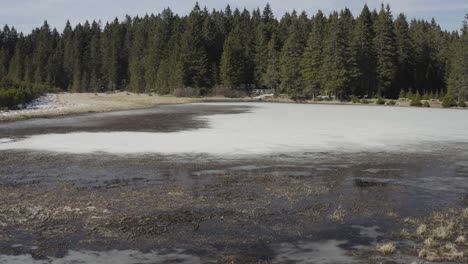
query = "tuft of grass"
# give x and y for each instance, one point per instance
(421, 230)
(386, 249)
(338, 215)
(460, 240)
(405, 233)
(430, 243)
(429, 255)
(442, 232)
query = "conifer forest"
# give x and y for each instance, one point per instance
(375, 53)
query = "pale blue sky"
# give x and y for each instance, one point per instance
(27, 14)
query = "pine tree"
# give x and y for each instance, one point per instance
(114, 60)
(290, 58)
(405, 74)
(264, 32)
(195, 68)
(385, 52)
(365, 54)
(232, 68)
(271, 78)
(43, 50)
(312, 59)
(136, 60)
(336, 74)
(16, 67)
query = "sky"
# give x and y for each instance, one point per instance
(25, 15)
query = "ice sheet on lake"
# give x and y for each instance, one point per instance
(282, 128)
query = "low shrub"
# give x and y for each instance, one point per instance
(449, 101)
(13, 94)
(391, 102)
(380, 101)
(426, 104)
(416, 101)
(402, 94)
(462, 103)
(364, 101)
(354, 99)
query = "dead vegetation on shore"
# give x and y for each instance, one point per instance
(441, 237)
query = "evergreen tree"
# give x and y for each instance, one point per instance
(312, 59)
(195, 68)
(290, 58)
(271, 78)
(232, 67)
(385, 52)
(364, 50)
(137, 54)
(264, 32)
(336, 73)
(404, 79)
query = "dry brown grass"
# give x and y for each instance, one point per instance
(386, 249)
(442, 236)
(338, 215)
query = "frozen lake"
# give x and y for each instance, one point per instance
(272, 128)
(238, 182)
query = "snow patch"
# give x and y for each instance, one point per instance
(41, 104)
(6, 140)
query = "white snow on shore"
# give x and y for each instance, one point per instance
(44, 103)
(276, 128)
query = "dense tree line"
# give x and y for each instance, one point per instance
(370, 55)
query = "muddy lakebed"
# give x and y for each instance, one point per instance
(236, 183)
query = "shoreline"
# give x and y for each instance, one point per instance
(68, 104)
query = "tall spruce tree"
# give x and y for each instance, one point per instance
(385, 48)
(290, 58)
(312, 59)
(364, 51)
(336, 73)
(195, 68)
(404, 76)
(233, 67)
(137, 54)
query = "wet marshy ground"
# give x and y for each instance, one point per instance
(303, 207)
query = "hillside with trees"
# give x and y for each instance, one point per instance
(374, 54)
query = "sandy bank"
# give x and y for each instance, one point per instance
(77, 103)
